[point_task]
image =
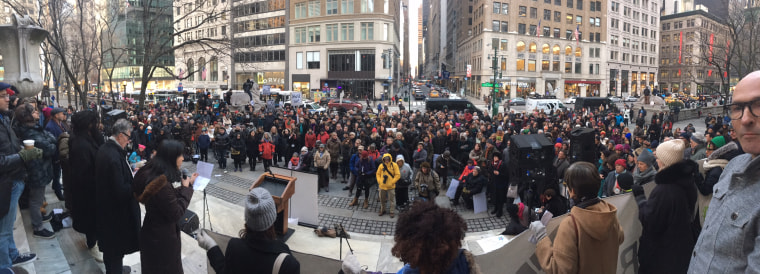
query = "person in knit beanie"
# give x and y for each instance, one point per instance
(666, 214)
(698, 146)
(257, 250)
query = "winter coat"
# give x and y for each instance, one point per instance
(310, 140)
(419, 156)
(430, 179)
(714, 166)
(252, 256)
(252, 145)
(587, 242)
(160, 242)
(333, 146)
(609, 184)
(11, 165)
(238, 148)
(204, 141)
(390, 170)
(353, 164)
(500, 181)
(266, 149)
(698, 153)
(83, 152)
(406, 173)
(222, 141)
(40, 170)
(117, 211)
(447, 167)
(322, 159)
(667, 238)
(474, 184)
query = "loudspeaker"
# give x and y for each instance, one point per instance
(531, 150)
(189, 222)
(532, 166)
(109, 118)
(582, 147)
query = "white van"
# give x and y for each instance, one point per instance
(547, 105)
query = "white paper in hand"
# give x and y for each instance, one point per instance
(547, 216)
(204, 175)
(451, 192)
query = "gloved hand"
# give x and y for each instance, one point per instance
(637, 190)
(539, 231)
(205, 241)
(351, 264)
(30, 154)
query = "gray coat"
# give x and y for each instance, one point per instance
(727, 243)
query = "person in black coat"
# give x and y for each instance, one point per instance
(667, 215)
(499, 183)
(221, 146)
(252, 148)
(515, 226)
(117, 211)
(257, 250)
(83, 148)
(160, 242)
(238, 150)
(473, 184)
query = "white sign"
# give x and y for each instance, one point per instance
(270, 105)
(451, 192)
(204, 175)
(296, 99)
(479, 202)
(265, 90)
(469, 71)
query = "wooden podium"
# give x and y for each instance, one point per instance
(282, 188)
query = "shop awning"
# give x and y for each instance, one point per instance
(583, 82)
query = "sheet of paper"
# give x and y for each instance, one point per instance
(479, 201)
(452, 188)
(201, 183)
(547, 216)
(493, 243)
(204, 175)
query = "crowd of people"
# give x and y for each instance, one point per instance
(109, 169)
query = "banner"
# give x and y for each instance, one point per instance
(518, 256)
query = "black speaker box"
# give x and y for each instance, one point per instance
(531, 151)
(582, 147)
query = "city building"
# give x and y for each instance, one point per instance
(692, 43)
(436, 39)
(203, 67)
(547, 47)
(259, 41)
(718, 8)
(420, 43)
(406, 43)
(633, 29)
(344, 46)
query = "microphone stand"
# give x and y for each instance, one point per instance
(206, 212)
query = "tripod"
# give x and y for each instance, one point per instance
(341, 233)
(206, 212)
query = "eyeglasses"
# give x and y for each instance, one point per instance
(6, 96)
(128, 135)
(736, 110)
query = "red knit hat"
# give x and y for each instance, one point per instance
(620, 162)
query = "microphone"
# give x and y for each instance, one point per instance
(184, 172)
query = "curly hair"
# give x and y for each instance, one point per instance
(23, 114)
(427, 233)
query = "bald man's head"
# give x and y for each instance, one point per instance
(746, 99)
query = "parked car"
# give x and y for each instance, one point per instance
(616, 99)
(323, 102)
(343, 105)
(631, 99)
(570, 100)
(314, 108)
(434, 94)
(519, 101)
(419, 95)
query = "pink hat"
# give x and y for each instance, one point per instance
(141, 146)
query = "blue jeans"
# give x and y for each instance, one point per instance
(8, 250)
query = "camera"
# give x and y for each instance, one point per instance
(424, 189)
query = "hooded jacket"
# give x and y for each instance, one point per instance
(406, 172)
(592, 248)
(387, 169)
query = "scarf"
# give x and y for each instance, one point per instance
(640, 178)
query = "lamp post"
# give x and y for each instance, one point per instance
(495, 67)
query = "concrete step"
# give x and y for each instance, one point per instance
(22, 243)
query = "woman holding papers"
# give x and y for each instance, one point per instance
(588, 239)
(166, 193)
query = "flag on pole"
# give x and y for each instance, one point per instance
(181, 73)
(203, 73)
(576, 33)
(538, 30)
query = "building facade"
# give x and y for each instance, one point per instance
(344, 46)
(436, 30)
(203, 68)
(259, 42)
(547, 47)
(692, 44)
(633, 35)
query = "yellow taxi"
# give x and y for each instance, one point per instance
(434, 94)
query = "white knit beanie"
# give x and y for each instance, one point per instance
(260, 211)
(670, 152)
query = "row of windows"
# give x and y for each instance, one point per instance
(260, 40)
(554, 66)
(345, 60)
(632, 58)
(312, 60)
(260, 56)
(523, 10)
(204, 69)
(259, 7)
(314, 7)
(313, 34)
(687, 37)
(260, 24)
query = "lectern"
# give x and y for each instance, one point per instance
(282, 188)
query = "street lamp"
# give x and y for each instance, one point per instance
(495, 67)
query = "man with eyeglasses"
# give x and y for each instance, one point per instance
(728, 241)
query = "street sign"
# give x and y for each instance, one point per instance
(469, 71)
(390, 77)
(487, 85)
(179, 87)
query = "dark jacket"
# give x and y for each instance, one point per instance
(83, 151)
(222, 141)
(667, 238)
(500, 181)
(239, 146)
(474, 183)
(12, 167)
(204, 141)
(252, 256)
(118, 214)
(41, 170)
(160, 242)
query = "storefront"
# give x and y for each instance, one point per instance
(525, 86)
(576, 87)
(353, 89)
(301, 83)
(274, 79)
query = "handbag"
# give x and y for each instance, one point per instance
(512, 191)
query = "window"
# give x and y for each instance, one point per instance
(385, 32)
(568, 35)
(545, 49)
(531, 65)
(556, 33)
(332, 32)
(533, 30)
(300, 35)
(520, 46)
(579, 20)
(385, 6)
(534, 13)
(557, 16)
(558, 2)
(314, 34)
(504, 26)
(568, 67)
(368, 6)
(569, 19)
(495, 26)
(570, 4)
(505, 9)
(331, 7)
(580, 4)
(578, 67)
(368, 30)
(503, 45)
(568, 50)
(347, 32)
(547, 15)
(312, 59)
(299, 60)
(496, 7)
(521, 64)
(523, 11)
(347, 6)
(532, 48)
(521, 28)
(615, 6)
(546, 32)
(314, 8)
(301, 10)
(545, 65)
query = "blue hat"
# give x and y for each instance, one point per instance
(4, 86)
(559, 140)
